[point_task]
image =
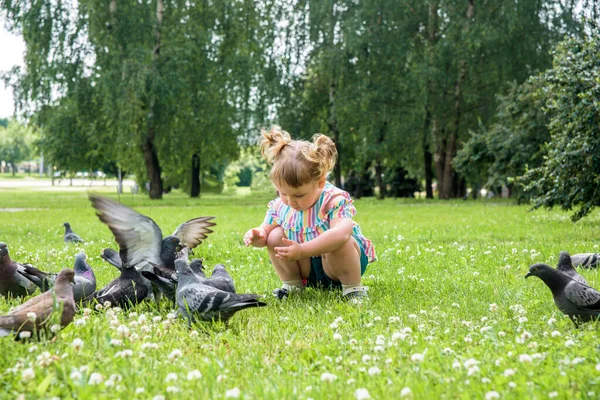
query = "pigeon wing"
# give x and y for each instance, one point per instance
(138, 236)
(194, 231)
(582, 296)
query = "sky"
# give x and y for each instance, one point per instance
(12, 48)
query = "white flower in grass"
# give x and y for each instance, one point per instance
(171, 377)
(468, 339)
(366, 358)
(509, 372)
(77, 344)
(555, 334)
(577, 360)
(24, 335)
(569, 343)
(232, 393)
(87, 312)
(175, 354)
(156, 319)
(95, 379)
(552, 395)
(172, 389)
(308, 389)
(406, 392)
(75, 376)
(470, 363)
(522, 320)
(337, 336)
(472, 370)
(140, 390)
(327, 377)
(417, 357)
(221, 378)
(525, 358)
(109, 383)
(33, 348)
(362, 394)
(158, 397)
(194, 333)
(492, 395)
(378, 349)
(107, 304)
(552, 321)
(55, 328)
(116, 378)
(456, 364)
(31, 316)
(123, 330)
(493, 307)
(374, 371)
(193, 375)
(27, 374)
(598, 367)
(80, 322)
(116, 342)
(172, 315)
(512, 385)
(501, 333)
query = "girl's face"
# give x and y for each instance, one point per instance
(303, 197)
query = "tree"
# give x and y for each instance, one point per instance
(15, 144)
(513, 143)
(569, 176)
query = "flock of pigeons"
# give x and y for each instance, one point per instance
(151, 267)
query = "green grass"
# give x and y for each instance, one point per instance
(441, 265)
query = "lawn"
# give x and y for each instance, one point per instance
(450, 313)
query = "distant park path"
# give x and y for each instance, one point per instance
(78, 184)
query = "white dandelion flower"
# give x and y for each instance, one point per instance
(374, 371)
(362, 394)
(27, 374)
(95, 379)
(232, 393)
(193, 375)
(406, 392)
(171, 377)
(492, 395)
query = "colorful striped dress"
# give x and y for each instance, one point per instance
(303, 226)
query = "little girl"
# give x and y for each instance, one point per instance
(308, 229)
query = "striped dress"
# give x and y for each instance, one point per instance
(303, 226)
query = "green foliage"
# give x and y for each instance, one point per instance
(568, 176)
(515, 141)
(16, 143)
(450, 289)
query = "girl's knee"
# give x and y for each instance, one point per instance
(274, 237)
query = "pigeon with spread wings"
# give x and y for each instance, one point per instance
(140, 240)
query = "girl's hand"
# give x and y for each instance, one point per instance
(293, 251)
(255, 236)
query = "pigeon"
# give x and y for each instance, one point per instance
(221, 279)
(575, 299)
(128, 289)
(70, 236)
(198, 300)
(167, 285)
(566, 266)
(12, 283)
(140, 240)
(85, 280)
(112, 257)
(36, 313)
(198, 268)
(586, 260)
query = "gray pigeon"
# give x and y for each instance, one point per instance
(167, 285)
(36, 313)
(586, 260)
(565, 265)
(70, 236)
(85, 280)
(128, 289)
(199, 301)
(577, 300)
(112, 257)
(197, 267)
(12, 283)
(221, 279)
(140, 240)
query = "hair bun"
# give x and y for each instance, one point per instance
(273, 141)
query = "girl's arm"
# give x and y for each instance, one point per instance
(339, 233)
(257, 237)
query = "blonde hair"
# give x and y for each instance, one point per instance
(297, 162)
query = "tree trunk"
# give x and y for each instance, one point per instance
(451, 146)
(427, 156)
(440, 161)
(152, 167)
(148, 147)
(335, 133)
(195, 191)
(378, 165)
